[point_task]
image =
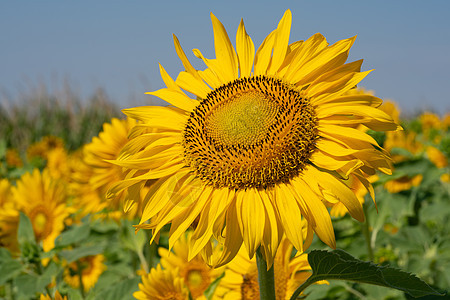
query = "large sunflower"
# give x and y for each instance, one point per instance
(269, 137)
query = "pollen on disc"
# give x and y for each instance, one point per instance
(243, 119)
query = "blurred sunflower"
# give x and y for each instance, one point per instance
(57, 297)
(91, 266)
(196, 274)
(8, 218)
(258, 149)
(403, 183)
(100, 151)
(43, 200)
(437, 157)
(241, 277)
(40, 149)
(162, 284)
(13, 158)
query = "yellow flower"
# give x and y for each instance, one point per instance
(429, 121)
(196, 274)
(260, 149)
(402, 139)
(8, 218)
(13, 158)
(57, 297)
(403, 183)
(437, 157)
(241, 278)
(91, 268)
(162, 284)
(41, 148)
(43, 200)
(105, 147)
(57, 163)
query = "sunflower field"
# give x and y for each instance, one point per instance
(97, 204)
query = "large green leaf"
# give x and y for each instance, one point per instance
(338, 264)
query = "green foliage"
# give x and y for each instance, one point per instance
(339, 265)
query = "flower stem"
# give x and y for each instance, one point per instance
(366, 231)
(265, 278)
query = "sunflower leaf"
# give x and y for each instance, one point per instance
(338, 264)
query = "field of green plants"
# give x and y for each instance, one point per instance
(60, 233)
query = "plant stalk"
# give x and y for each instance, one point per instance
(265, 278)
(366, 231)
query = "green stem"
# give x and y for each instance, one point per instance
(80, 276)
(301, 288)
(142, 260)
(366, 231)
(265, 278)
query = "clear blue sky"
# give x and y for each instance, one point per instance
(117, 45)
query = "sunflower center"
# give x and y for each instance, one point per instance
(243, 119)
(254, 132)
(197, 278)
(42, 223)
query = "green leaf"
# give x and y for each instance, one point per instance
(132, 240)
(121, 290)
(9, 266)
(25, 233)
(338, 264)
(73, 235)
(209, 293)
(83, 251)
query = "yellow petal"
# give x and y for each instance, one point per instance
(345, 133)
(184, 60)
(290, 215)
(263, 55)
(233, 237)
(225, 54)
(251, 219)
(215, 66)
(170, 83)
(323, 228)
(185, 219)
(245, 51)
(273, 232)
(193, 85)
(303, 53)
(204, 230)
(179, 99)
(281, 42)
(341, 191)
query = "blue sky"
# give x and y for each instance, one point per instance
(118, 46)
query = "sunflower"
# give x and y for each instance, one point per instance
(41, 148)
(241, 278)
(43, 200)
(437, 157)
(196, 274)
(8, 218)
(92, 267)
(403, 183)
(162, 284)
(103, 148)
(270, 135)
(57, 297)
